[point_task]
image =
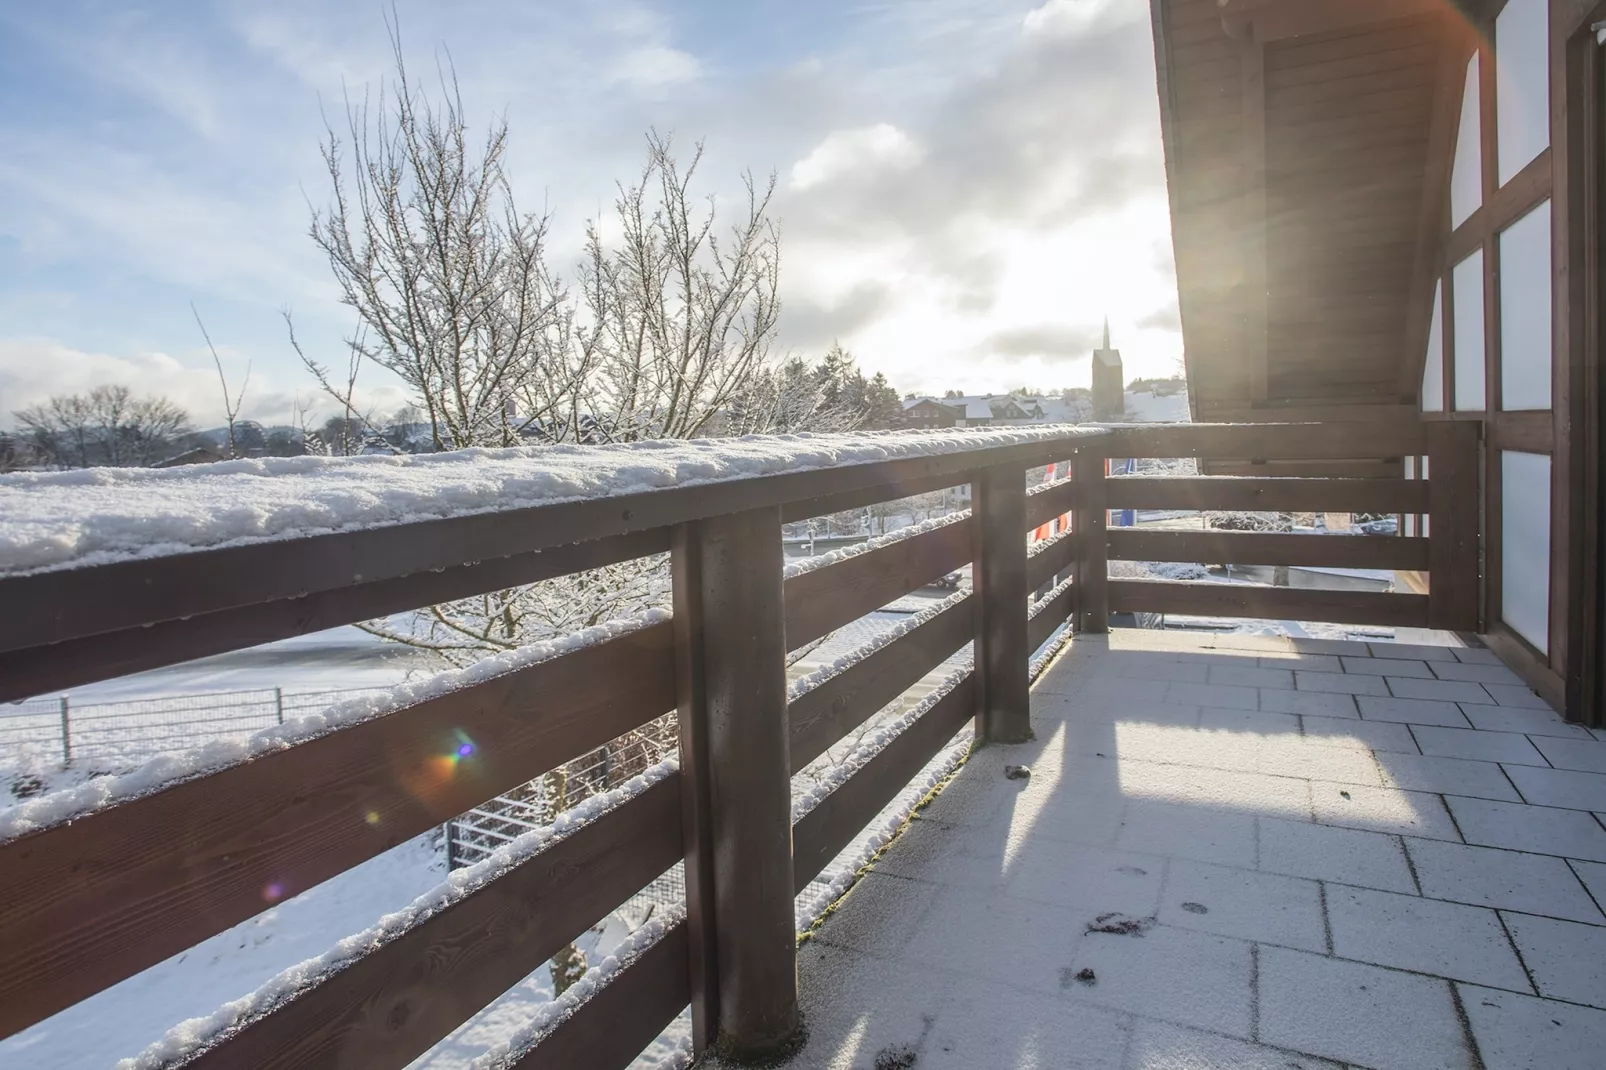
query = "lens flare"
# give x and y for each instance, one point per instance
(273, 892)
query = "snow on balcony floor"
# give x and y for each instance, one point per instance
(1245, 852)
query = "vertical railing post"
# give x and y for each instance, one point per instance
(1090, 522)
(730, 630)
(66, 735)
(998, 575)
(1453, 525)
(278, 704)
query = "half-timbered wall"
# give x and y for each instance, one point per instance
(1490, 352)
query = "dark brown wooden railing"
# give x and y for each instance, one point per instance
(90, 902)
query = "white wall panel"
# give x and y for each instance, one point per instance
(1433, 364)
(1466, 176)
(1525, 545)
(1522, 84)
(1525, 312)
(1467, 330)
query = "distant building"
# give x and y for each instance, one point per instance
(1109, 383)
(928, 413)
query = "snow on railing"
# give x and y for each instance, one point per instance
(101, 515)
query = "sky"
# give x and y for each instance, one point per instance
(965, 188)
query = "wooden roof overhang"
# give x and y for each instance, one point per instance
(1308, 146)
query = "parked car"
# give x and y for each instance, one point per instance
(949, 582)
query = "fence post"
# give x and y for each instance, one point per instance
(998, 576)
(451, 845)
(730, 631)
(1453, 528)
(1089, 521)
(278, 704)
(66, 735)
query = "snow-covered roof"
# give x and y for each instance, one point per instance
(99, 515)
(1147, 408)
(978, 409)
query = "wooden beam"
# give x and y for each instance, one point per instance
(1454, 511)
(1252, 182)
(822, 833)
(1268, 495)
(824, 599)
(1258, 548)
(74, 662)
(1272, 603)
(998, 532)
(697, 821)
(146, 879)
(1048, 501)
(739, 605)
(1089, 524)
(395, 1001)
(1277, 20)
(1267, 441)
(74, 602)
(1046, 617)
(1050, 558)
(612, 1027)
(1433, 219)
(827, 712)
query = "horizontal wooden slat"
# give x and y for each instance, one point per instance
(73, 602)
(822, 833)
(1304, 469)
(1273, 603)
(1049, 615)
(389, 1006)
(1256, 548)
(791, 512)
(824, 599)
(1268, 495)
(1264, 442)
(822, 715)
(137, 882)
(39, 670)
(1050, 558)
(618, 1021)
(1045, 502)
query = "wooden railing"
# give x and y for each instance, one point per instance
(1449, 502)
(89, 902)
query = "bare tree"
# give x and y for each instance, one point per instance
(683, 316)
(447, 277)
(108, 426)
(231, 401)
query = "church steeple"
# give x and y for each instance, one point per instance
(1109, 383)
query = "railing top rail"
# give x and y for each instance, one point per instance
(136, 546)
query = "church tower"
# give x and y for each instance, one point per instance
(1109, 382)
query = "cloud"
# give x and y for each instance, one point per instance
(654, 66)
(1050, 341)
(860, 153)
(1165, 318)
(815, 325)
(34, 369)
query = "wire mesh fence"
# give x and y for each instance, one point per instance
(109, 736)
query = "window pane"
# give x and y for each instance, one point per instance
(1525, 545)
(1525, 312)
(1522, 84)
(1466, 176)
(1467, 279)
(1433, 366)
